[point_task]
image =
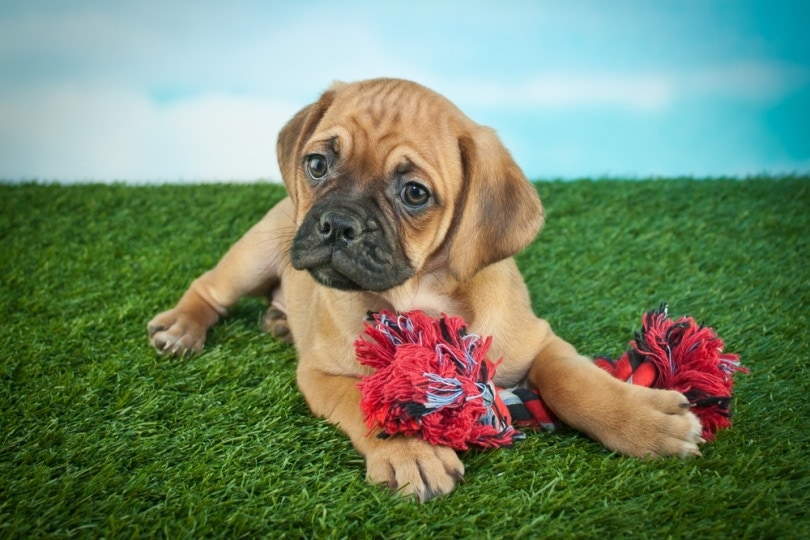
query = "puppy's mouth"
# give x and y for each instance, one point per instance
(345, 246)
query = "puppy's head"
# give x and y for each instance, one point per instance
(389, 179)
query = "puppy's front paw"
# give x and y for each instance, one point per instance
(413, 467)
(176, 333)
(653, 423)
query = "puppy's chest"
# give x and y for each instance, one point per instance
(427, 299)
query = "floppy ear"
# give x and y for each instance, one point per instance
(498, 212)
(294, 135)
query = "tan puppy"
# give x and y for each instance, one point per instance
(399, 201)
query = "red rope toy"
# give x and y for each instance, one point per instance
(434, 381)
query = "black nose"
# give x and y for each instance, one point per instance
(338, 229)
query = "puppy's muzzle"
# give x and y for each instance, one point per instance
(349, 245)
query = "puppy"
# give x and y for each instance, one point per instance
(398, 201)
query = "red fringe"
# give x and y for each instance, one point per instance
(428, 381)
(689, 358)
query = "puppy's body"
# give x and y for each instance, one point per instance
(399, 201)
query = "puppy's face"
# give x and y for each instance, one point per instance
(389, 178)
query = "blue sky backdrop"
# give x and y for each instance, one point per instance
(196, 91)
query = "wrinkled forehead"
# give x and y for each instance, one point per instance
(389, 123)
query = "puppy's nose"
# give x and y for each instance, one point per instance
(339, 230)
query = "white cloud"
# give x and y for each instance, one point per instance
(744, 80)
(759, 82)
(108, 134)
(569, 90)
(224, 136)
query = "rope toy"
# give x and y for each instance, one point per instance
(433, 380)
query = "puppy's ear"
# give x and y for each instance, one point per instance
(294, 135)
(498, 212)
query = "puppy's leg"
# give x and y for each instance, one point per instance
(407, 465)
(251, 266)
(275, 321)
(630, 419)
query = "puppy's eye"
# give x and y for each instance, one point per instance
(317, 167)
(414, 195)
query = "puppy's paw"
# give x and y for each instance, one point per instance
(654, 423)
(275, 323)
(413, 467)
(176, 333)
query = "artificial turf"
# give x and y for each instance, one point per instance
(99, 436)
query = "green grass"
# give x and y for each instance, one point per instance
(101, 437)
